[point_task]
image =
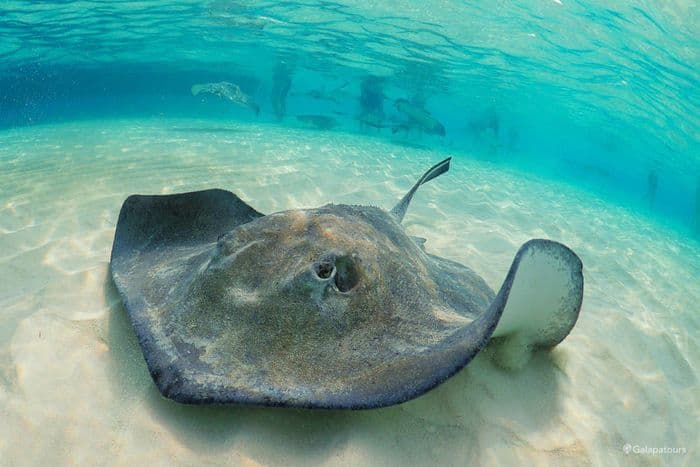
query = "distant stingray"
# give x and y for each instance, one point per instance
(332, 307)
(229, 91)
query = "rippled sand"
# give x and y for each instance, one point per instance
(74, 387)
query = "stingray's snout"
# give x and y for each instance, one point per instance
(342, 270)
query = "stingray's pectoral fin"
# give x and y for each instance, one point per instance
(198, 217)
(543, 294)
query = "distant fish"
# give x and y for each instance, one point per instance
(420, 116)
(229, 91)
(319, 121)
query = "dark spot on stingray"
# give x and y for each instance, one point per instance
(347, 275)
(332, 307)
(342, 269)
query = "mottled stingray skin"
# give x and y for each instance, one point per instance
(333, 307)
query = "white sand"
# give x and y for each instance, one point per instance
(74, 388)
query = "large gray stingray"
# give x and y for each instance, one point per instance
(333, 307)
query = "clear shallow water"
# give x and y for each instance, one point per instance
(602, 95)
(75, 389)
(567, 120)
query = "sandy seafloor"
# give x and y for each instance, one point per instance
(74, 388)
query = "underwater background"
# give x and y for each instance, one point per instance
(577, 121)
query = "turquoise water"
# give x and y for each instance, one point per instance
(600, 95)
(575, 121)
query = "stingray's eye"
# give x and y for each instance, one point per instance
(347, 273)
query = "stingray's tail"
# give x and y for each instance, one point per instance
(435, 171)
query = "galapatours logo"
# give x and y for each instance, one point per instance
(652, 451)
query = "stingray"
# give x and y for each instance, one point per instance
(330, 307)
(228, 91)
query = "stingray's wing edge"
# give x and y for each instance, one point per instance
(147, 221)
(543, 304)
(149, 227)
(532, 274)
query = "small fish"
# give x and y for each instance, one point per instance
(229, 91)
(319, 121)
(421, 117)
